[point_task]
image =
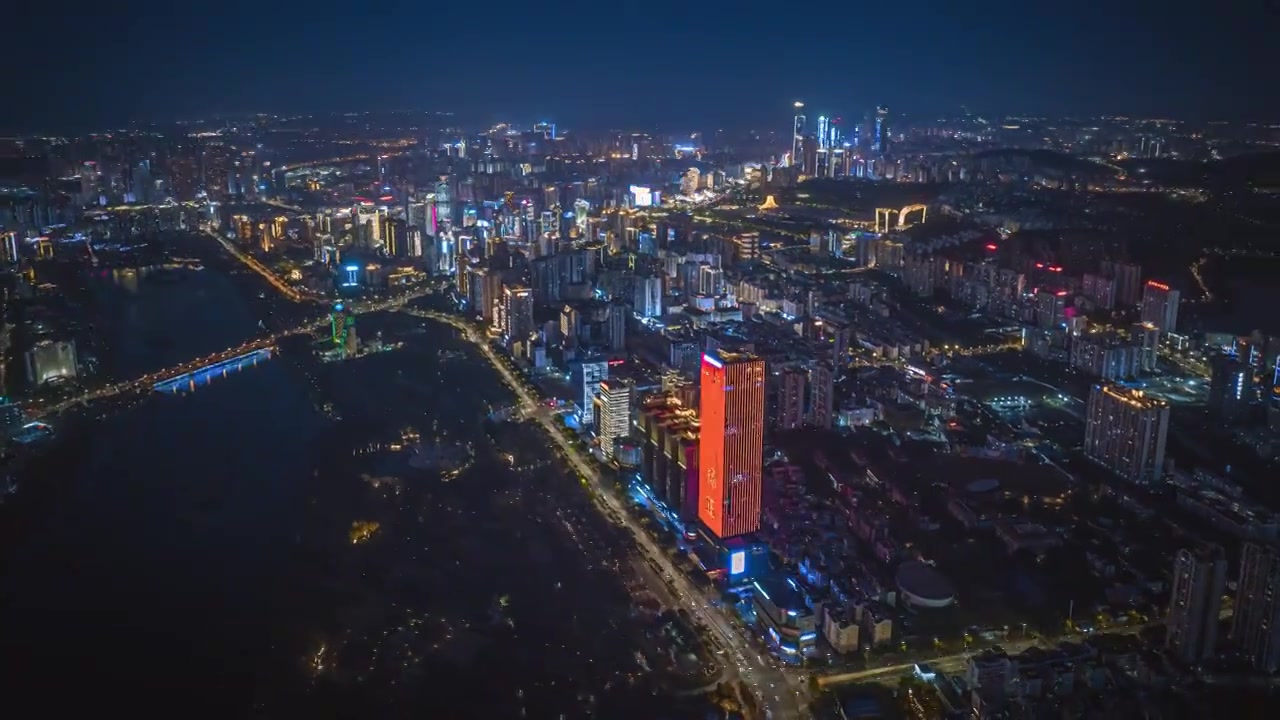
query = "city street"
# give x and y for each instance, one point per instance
(782, 694)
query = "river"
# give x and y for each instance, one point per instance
(193, 555)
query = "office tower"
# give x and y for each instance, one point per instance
(1125, 431)
(797, 136)
(570, 325)
(731, 448)
(516, 323)
(648, 297)
(391, 239)
(821, 395)
(1230, 387)
(613, 413)
(1255, 622)
(142, 183)
(880, 131)
(418, 212)
(1160, 306)
(790, 389)
(365, 225)
(586, 377)
(1195, 601)
(413, 241)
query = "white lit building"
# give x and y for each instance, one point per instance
(613, 413)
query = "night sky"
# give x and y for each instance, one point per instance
(640, 63)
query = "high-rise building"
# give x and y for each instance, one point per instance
(1100, 290)
(821, 395)
(880, 132)
(1230, 387)
(1160, 306)
(690, 181)
(1128, 281)
(1147, 338)
(587, 375)
(616, 326)
(710, 280)
(516, 322)
(1051, 309)
(1255, 622)
(648, 297)
(1195, 601)
(731, 448)
(797, 136)
(790, 388)
(613, 413)
(1125, 430)
(669, 426)
(9, 247)
(413, 241)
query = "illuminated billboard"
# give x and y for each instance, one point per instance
(711, 496)
(641, 196)
(731, 446)
(737, 562)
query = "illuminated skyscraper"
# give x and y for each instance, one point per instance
(731, 451)
(797, 135)
(880, 132)
(1230, 387)
(1160, 306)
(613, 413)
(647, 301)
(516, 322)
(1126, 431)
(669, 428)
(587, 376)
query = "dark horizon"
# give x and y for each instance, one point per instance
(739, 65)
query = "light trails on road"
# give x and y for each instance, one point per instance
(253, 264)
(777, 693)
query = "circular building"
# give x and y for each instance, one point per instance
(922, 586)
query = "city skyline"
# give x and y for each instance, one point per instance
(371, 413)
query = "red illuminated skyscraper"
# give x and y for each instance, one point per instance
(731, 450)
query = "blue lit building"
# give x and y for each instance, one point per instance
(785, 620)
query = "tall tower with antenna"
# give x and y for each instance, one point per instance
(797, 136)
